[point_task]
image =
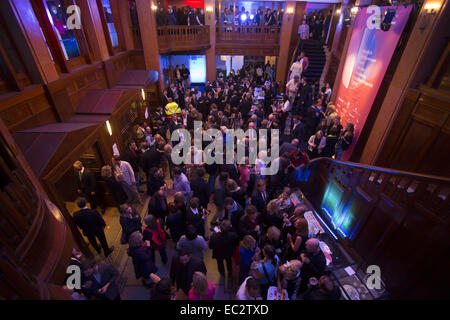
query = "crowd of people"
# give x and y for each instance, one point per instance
(189, 16)
(315, 26)
(257, 235)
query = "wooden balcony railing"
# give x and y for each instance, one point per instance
(397, 220)
(267, 35)
(182, 38)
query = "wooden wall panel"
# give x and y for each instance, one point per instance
(26, 109)
(420, 135)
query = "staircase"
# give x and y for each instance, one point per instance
(317, 60)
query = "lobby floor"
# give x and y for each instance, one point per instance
(132, 288)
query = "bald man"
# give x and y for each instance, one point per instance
(314, 262)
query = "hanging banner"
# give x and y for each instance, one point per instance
(368, 56)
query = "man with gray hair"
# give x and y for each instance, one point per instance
(314, 262)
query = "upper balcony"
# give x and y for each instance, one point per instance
(183, 38)
(247, 40)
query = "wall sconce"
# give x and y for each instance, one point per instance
(154, 8)
(338, 11)
(289, 12)
(354, 10)
(209, 10)
(432, 8)
(143, 94)
(108, 126)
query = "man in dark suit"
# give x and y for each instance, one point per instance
(304, 96)
(158, 205)
(233, 212)
(183, 268)
(223, 245)
(92, 225)
(101, 281)
(200, 188)
(87, 186)
(298, 129)
(260, 197)
(151, 158)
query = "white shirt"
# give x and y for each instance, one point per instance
(292, 86)
(242, 292)
(303, 31)
(296, 68)
(286, 106)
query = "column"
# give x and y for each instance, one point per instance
(30, 40)
(410, 64)
(147, 26)
(120, 9)
(92, 24)
(211, 52)
(292, 13)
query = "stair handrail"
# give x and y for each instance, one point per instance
(294, 54)
(381, 169)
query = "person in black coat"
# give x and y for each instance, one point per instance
(196, 215)
(298, 129)
(250, 223)
(223, 245)
(183, 268)
(155, 181)
(87, 186)
(158, 205)
(314, 262)
(101, 281)
(236, 192)
(142, 257)
(114, 186)
(92, 225)
(175, 222)
(152, 158)
(201, 188)
(260, 197)
(130, 220)
(233, 212)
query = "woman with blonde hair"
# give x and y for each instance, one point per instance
(202, 289)
(296, 242)
(316, 143)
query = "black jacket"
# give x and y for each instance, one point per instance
(132, 159)
(155, 207)
(182, 275)
(142, 261)
(223, 244)
(107, 274)
(244, 227)
(151, 158)
(201, 190)
(89, 221)
(130, 224)
(86, 183)
(259, 202)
